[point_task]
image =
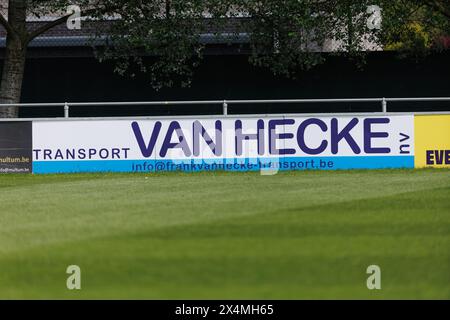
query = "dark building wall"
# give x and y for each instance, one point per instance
(232, 77)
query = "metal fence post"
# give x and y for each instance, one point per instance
(225, 108)
(384, 105)
(66, 110)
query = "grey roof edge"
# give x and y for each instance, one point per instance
(87, 41)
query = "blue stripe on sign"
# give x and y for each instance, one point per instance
(231, 164)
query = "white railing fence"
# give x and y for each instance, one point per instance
(226, 103)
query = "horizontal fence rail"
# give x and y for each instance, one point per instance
(225, 103)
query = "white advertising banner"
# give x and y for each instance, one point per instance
(224, 143)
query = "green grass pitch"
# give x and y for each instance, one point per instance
(293, 235)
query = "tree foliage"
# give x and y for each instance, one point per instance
(285, 36)
(415, 27)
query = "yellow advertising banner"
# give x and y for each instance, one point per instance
(432, 141)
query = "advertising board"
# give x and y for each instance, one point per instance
(16, 147)
(224, 143)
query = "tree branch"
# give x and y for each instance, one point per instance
(59, 21)
(6, 24)
(46, 27)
